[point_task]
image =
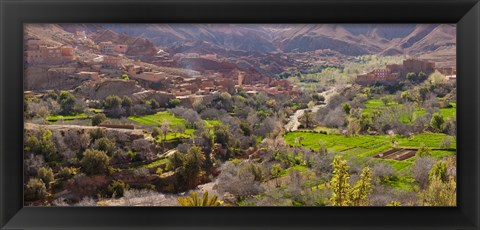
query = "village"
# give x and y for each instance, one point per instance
(107, 60)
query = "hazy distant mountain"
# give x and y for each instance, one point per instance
(227, 36)
(349, 39)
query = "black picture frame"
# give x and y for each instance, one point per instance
(464, 13)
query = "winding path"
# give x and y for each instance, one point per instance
(294, 123)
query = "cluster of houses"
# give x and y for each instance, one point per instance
(393, 72)
(38, 52)
(208, 82)
(110, 60)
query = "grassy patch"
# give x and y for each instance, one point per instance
(158, 119)
(402, 183)
(155, 163)
(336, 142)
(53, 118)
(431, 140)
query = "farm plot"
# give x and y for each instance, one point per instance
(398, 154)
(174, 123)
(354, 145)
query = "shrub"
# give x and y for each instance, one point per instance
(127, 101)
(46, 175)
(98, 119)
(35, 189)
(423, 151)
(67, 173)
(154, 104)
(94, 162)
(439, 170)
(112, 102)
(117, 188)
(97, 134)
(155, 132)
(106, 145)
(67, 102)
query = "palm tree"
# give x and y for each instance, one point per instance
(194, 200)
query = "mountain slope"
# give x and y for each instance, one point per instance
(349, 39)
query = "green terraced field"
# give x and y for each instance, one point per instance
(53, 118)
(158, 119)
(377, 104)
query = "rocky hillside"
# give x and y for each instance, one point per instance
(349, 39)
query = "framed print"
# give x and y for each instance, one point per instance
(274, 114)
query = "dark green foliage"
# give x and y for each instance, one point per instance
(67, 103)
(35, 189)
(156, 132)
(346, 107)
(46, 175)
(172, 103)
(154, 104)
(44, 146)
(117, 188)
(246, 129)
(127, 101)
(94, 162)
(106, 145)
(222, 135)
(439, 170)
(97, 134)
(66, 173)
(437, 121)
(112, 102)
(98, 119)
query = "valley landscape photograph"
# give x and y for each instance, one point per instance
(240, 115)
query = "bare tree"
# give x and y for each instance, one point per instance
(421, 168)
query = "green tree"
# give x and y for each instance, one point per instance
(94, 162)
(405, 96)
(125, 77)
(346, 107)
(127, 101)
(412, 77)
(98, 119)
(276, 172)
(437, 121)
(422, 77)
(175, 160)
(439, 193)
(362, 189)
(194, 200)
(112, 102)
(46, 175)
(340, 183)
(35, 189)
(66, 173)
(106, 145)
(67, 102)
(172, 103)
(436, 78)
(439, 170)
(307, 118)
(222, 135)
(367, 91)
(192, 165)
(117, 188)
(97, 134)
(423, 151)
